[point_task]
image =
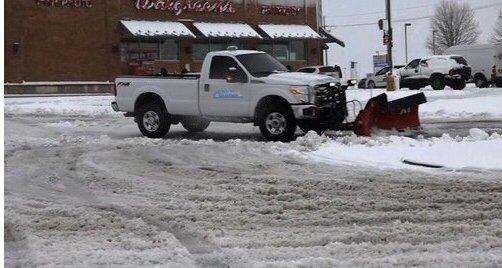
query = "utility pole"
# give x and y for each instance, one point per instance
(325, 51)
(434, 41)
(406, 25)
(389, 44)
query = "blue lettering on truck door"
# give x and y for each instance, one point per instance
(227, 94)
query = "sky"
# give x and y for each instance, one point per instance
(362, 42)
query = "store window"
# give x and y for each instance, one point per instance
(268, 48)
(297, 50)
(149, 50)
(169, 49)
(201, 49)
(281, 51)
(285, 51)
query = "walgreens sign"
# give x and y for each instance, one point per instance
(180, 6)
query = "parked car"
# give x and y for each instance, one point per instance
(334, 72)
(437, 71)
(362, 83)
(379, 79)
(483, 60)
(237, 86)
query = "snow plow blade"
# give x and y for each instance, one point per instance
(400, 114)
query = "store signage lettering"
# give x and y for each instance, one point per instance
(180, 6)
(280, 10)
(65, 3)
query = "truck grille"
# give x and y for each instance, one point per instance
(326, 95)
(331, 103)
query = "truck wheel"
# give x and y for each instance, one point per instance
(460, 85)
(480, 81)
(277, 123)
(308, 126)
(195, 124)
(371, 85)
(153, 121)
(438, 83)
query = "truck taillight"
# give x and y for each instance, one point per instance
(114, 89)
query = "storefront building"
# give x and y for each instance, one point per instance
(97, 40)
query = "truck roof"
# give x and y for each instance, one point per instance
(440, 57)
(233, 52)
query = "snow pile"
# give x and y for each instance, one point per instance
(311, 141)
(477, 151)
(93, 106)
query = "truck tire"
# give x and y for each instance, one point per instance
(437, 82)
(459, 85)
(480, 81)
(371, 85)
(153, 120)
(195, 124)
(309, 126)
(277, 122)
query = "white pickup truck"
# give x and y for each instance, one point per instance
(238, 86)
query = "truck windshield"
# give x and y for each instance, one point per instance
(460, 60)
(261, 64)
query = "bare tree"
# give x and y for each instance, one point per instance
(497, 31)
(453, 24)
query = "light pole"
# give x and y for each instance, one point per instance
(406, 25)
(434, 41)
(389, 44)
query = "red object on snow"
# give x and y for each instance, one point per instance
(401, 114)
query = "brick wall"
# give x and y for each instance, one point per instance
(81, 44)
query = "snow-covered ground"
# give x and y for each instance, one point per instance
(83, 188)
(479, 151)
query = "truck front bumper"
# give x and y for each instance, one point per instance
(304, 111)
(330, 115)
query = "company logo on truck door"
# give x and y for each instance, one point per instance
(227, 94)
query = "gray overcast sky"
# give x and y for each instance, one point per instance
(362, 42)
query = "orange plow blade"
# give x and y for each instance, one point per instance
(400, 115)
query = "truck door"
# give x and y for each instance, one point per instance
(225, 91)
(410, 72)
(381, 77)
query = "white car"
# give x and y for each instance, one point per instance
(379, 79)
(238, 86)
(324, 70)
(437, 71)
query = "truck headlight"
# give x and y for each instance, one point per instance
(300, 93)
